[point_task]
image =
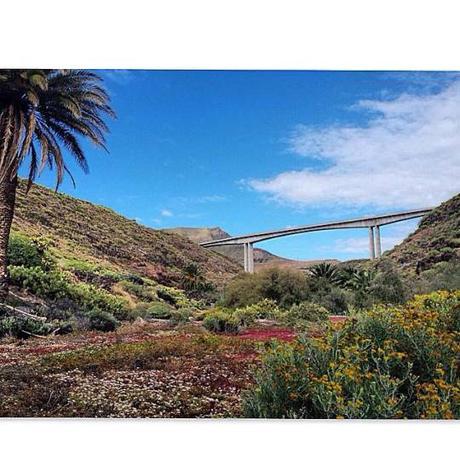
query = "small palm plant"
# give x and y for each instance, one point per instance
(325, 271)
(194, 281)
(42, 113)
(192, 277)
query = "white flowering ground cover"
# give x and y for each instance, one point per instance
(134, 372)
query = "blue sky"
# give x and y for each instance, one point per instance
(252, 151)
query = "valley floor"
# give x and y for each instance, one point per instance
(141, 370)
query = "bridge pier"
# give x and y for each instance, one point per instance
(371, 243)
(375, 244)
(248, 257)
(245, 256)
(251, 258)
(378, 244)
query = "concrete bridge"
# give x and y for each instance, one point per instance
(372, 223)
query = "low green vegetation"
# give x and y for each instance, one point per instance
(75, 294)
(64, 295)
(335, 289)
(234, 320)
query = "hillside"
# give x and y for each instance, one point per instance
(436, 240)
(262, 258)
(83, 231)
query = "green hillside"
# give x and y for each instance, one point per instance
(436, 240)
(83, 231)
(74, 265)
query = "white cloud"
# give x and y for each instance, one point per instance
(407, 155)
(166, 213)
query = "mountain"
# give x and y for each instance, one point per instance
(262, 258)
(198, 235)
(81, 230)
(436, 240)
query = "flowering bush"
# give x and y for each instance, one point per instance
(394, 362)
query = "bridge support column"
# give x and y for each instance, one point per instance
(245, 256)
(371, 243)
(378, 244)
(250, 258)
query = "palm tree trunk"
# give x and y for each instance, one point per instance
(7, 202)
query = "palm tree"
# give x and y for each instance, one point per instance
(43, 112)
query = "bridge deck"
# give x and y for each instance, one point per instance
(362, 222)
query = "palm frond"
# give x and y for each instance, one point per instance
(44, 112)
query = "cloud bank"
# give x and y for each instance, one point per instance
(407, 155)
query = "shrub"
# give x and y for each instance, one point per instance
(50, 285)
(94, 274)
(242, 290)
(334, 299)
(26, 252)
(143, 292)
(444, 276)
(389, 362)
(194, 281)
(100, 320)
(90, 297)
(305, 314)
(221, 321)
(159, 310)
(176, 297)
(168, 295)
(21, 251)
(244, 317)
(265, 309)
(135, 279)
(180, 316)
(285, 287)
(23, 328)
(54, 286)
(387, 286)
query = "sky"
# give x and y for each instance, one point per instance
(262, 150)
